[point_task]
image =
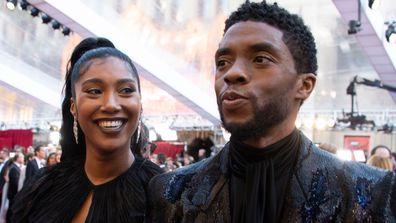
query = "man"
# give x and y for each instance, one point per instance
(269, 171)
(13, 176)
(33, 166)
(5, 156)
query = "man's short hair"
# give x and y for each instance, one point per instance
(37, 149)
(296, 35)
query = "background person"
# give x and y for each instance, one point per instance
(34, 165)
(380, 162)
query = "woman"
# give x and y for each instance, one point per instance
(380, 162)
(51, 159)
(99, 178)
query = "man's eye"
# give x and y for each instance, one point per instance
(261, 59)
(221, 63)
(93, 91)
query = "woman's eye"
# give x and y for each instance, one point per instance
(127, 90)
(93, 91)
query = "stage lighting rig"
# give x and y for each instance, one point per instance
(355, 119)
(390, 33)
(11, 4)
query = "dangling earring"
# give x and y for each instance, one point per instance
(138, 132)
(75, 130)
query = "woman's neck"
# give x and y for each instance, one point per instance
(102, 168)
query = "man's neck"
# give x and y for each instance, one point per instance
(271, 136)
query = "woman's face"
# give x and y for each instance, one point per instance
(51, 160)
(107, 104)
(58, 158)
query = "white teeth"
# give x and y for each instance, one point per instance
(110, 124)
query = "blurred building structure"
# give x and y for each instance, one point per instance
(173, 43)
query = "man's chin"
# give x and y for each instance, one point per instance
(239, 131)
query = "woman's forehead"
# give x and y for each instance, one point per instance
(110, 65)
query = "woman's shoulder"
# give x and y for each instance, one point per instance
(58, 171)
(49, 182)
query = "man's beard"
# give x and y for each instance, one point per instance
(265, 117)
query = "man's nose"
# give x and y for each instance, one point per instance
(237, 73)
(110, 103)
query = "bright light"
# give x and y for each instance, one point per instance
(308, 123)
(320, 124)
(333, 94)
(54, 137)
(344, 154)
(392, 38)
(11, 5)
(359, 155)
(226, 134)
(166, 133)
(152, 135)
(331, 123)
(298, 123)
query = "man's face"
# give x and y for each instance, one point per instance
(255, 79)
(41, 153)
(21, 159)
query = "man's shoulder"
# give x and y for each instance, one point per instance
(170, 186)
(343, 177)
(31, 162)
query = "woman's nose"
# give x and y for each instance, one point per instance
(110, 103)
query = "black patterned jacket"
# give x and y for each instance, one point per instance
(322, 189)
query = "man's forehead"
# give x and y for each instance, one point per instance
(252, 32)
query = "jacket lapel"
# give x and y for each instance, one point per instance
(313, 194)
(206, 185)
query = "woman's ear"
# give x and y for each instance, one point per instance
(306, 84)
(73, 109)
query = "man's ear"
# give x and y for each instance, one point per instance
(73, 109)
(305, 86)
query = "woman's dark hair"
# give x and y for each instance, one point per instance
(49, 156)
(70, 149)
(83, 64)
(296, 35)
(143, 140)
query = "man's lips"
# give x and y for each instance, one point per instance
(231, 100)
(232, 95)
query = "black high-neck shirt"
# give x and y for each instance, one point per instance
(259, 178)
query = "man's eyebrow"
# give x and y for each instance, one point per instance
(222, 51)
(263, 47)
